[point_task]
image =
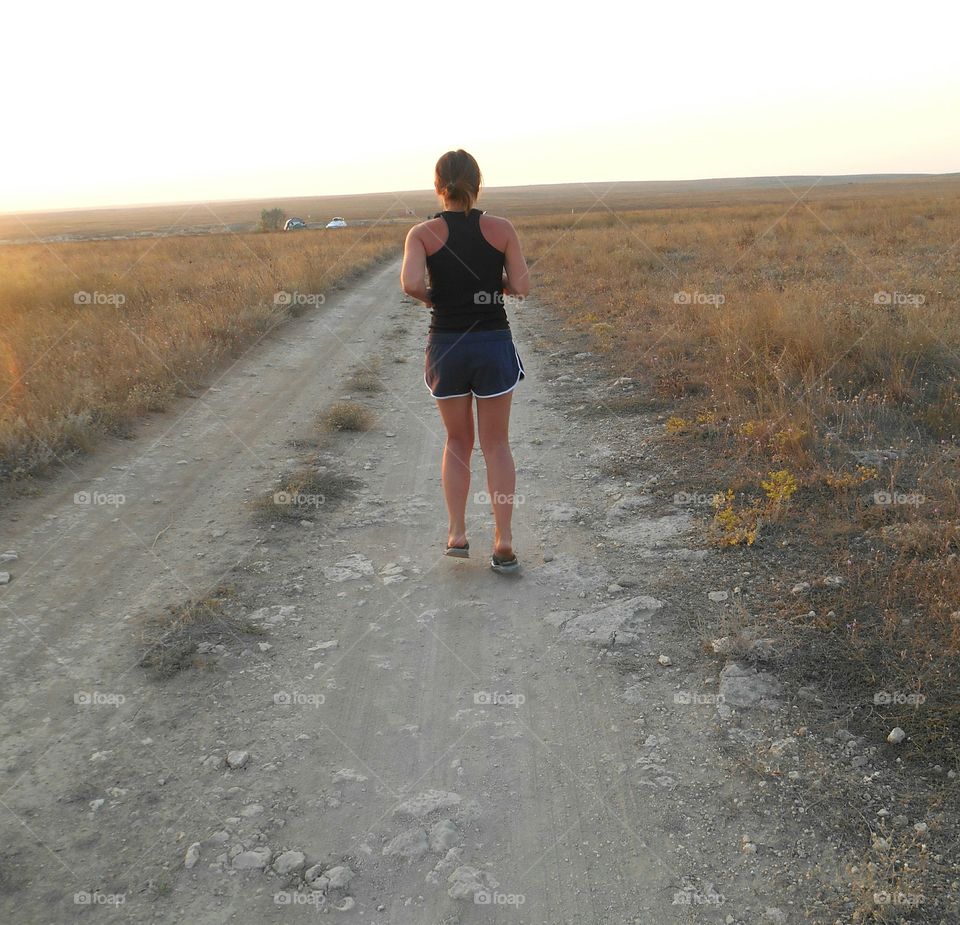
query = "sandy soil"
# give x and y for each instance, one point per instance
(426, 741)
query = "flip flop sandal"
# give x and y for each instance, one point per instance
(458, 552)
(504, 566)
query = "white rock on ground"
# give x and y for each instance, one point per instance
(348, 774)
(466, 881)
(427, 802)
(237, 759)
(254, 859)
(339, 877)
(289, 861)
(620, 623)
(349, 568)
(410, 844)
(443, 836)
(193, 855)
(896, 736)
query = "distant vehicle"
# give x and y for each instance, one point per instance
(292, 224)
(336, 222)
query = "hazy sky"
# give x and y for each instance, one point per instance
(109, 103)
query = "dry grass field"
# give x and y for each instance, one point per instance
(96, 333)
(805, 358)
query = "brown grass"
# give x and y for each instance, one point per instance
(306, 494)
(803, 368)
(169, 640)
(366, 377)
(346, 415)
(71, 372)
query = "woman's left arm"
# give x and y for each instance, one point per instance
(413, 273)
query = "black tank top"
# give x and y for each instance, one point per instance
(466, 278)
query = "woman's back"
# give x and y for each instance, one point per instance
(466, 271)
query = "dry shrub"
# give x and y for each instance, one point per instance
(346, 415)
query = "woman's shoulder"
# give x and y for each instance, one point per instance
(498, 219)
(496, 229)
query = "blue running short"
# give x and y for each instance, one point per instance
(482, 363)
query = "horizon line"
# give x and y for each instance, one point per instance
(200, 202)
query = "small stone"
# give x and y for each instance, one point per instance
(4, 578)
(718, 596)
(548, 557)
(193, 855)
(443, 836)
(896, 736)
(252, 809)
(8, 556)
(255, 859)
(664, 660)
(237, 759)
(800, 588)
(410, 844)
(920, 828)
(289, 861)
(348, 774)
(339, 877)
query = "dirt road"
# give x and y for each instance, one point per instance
(425, 741)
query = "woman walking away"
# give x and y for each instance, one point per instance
(474, 259)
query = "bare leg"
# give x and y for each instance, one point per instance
(457, 416)
(493, 420)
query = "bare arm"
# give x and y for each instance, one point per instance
(515, 267)
(413, 273)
